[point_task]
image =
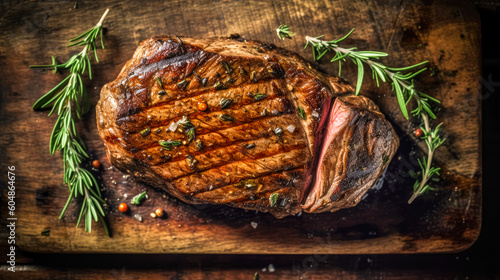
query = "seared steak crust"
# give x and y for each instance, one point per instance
(357, 147)
(244, 152)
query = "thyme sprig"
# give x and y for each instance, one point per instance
(402, 82)
(284, 32)
(67, 99)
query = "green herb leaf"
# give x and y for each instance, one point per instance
(273, 199)
(188, 128)
(145, 132)
(182, 84)
(219, 85)
(138, 198)
(361, 72)
(159, 82)
(385, 159)
(302, 113)
(226, 66)
(401, 99)
(185, 122)
(191, 134)
(225, 103)
(226, 118)
(169, 144)
(247, 184)
(259, 96)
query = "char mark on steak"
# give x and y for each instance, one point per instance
(252, 142)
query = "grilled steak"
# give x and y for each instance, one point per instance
(276, 135)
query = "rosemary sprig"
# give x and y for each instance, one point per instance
(402, 83)
(433, 141)
(70, 98)
(284, 32)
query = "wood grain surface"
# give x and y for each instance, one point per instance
(444, 32)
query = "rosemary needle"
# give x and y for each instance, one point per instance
(402, 83)
(284, 32)
(67, 99)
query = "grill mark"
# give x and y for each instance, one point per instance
(212, 116)
(201, 92)
(258, 201)
(267, 175)
(239, 143)
(184, 185)
(144, 72)
(167, 49)
(206, 69)
(154, 144)
(291, 94)
(142, 113)
(201, 57)
(262, 155)
(248, 137)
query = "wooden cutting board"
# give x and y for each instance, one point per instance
(444, 32)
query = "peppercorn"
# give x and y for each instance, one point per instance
(202, 105)
(123, 207)
(159, 212)
(418, 132)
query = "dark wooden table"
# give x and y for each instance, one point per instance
(474, 262)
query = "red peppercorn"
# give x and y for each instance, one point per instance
(159, 212)
(123, 207)
(202, 105)
(96, 163)
(418, 132)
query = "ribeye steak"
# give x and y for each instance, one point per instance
(275, 136)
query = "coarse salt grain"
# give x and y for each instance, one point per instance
(254, 225)
(315, 114)
(138, 217)
(291, 128)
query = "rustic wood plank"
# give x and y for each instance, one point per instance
(33, 272)
(187, 266)
(444, 32)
